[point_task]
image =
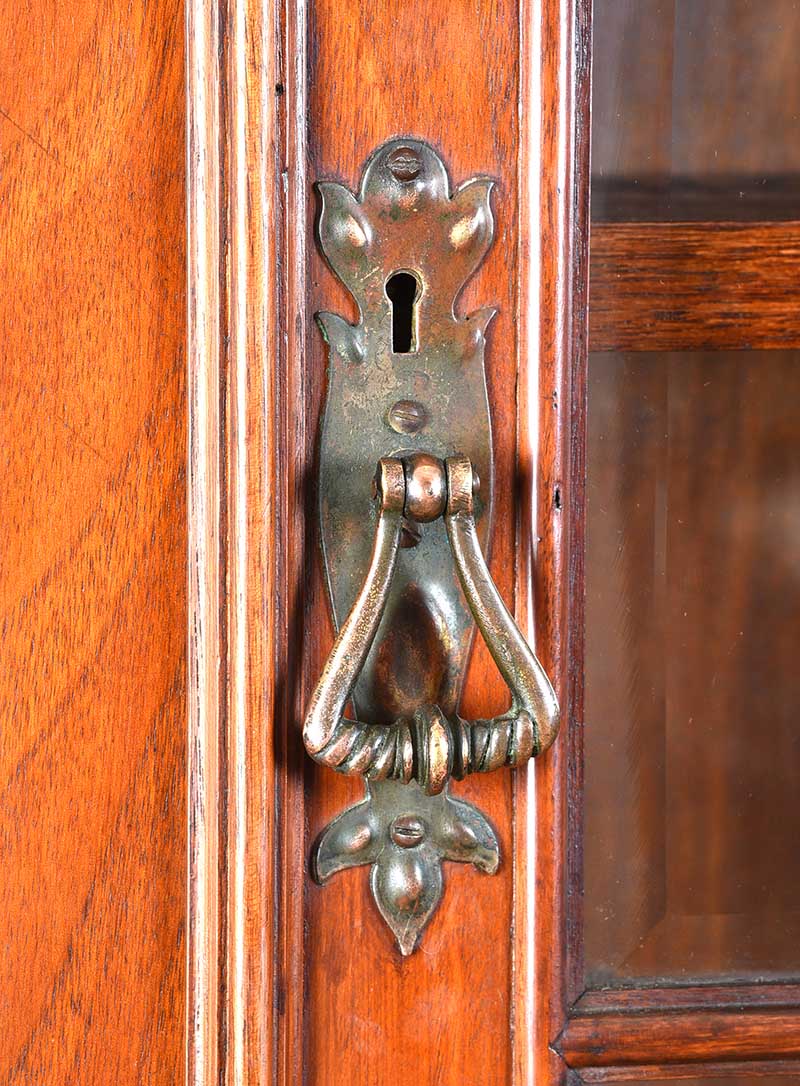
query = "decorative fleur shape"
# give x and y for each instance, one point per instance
(404, 216)
(406, 836)
(384, 400)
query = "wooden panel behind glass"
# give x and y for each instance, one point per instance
(692, 747)
(696, 109)
(743, 1078)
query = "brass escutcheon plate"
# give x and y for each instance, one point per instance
(407, 378)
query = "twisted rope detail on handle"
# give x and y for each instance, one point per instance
(428, 747)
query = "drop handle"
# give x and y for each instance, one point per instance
(406, 388)
(429, 747)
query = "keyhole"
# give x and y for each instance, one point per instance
(403, 290)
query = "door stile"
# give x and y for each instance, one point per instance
(204, 554)
(554, 394)
(295, 438)
(450, 79)
(256, 378)
(237, 554)
(523, 793)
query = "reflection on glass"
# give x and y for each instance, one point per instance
(692, 718)
(696, 110)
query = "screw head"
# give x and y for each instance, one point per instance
(405, 163)
(407, 831)
(407, 417)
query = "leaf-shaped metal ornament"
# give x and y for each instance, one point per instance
(406, 390)
(406, 835)
(381, 402)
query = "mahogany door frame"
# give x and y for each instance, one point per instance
(554, 854)
(247, 68)
(238, 643)
(635, 1034)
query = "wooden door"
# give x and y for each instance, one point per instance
(165, 614)
(287, 978)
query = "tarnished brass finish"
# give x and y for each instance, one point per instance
(370, 750)
(428, 747)
(425, 488)
(405, 836)
(385, 404)
(531, 723)
(406, 388)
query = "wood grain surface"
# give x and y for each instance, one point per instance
(730, 1073)
(289, 983)
(345, 1007)
(558, 415)
(92, 588)
(238, 659)
(680, 1037)
(293, 983)
(443, 1015)
(694, 286)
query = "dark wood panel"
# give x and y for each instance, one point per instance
(92, 592)
(733, 1073)
(680, 1036)
(693, 286)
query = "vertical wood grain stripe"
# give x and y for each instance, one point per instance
(254, 598)
(237, 497)
(558, 384)
(528, 360)
(203, 328)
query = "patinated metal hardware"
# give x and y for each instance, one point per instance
(429, 747)
(406, 388)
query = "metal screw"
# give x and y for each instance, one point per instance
(405, 163)
(407, 417)
(407, 831)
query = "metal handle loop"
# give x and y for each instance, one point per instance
(429, 747)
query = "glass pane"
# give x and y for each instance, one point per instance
(692, 730)
(696, 109)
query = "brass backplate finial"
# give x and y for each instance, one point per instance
(404, 548)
